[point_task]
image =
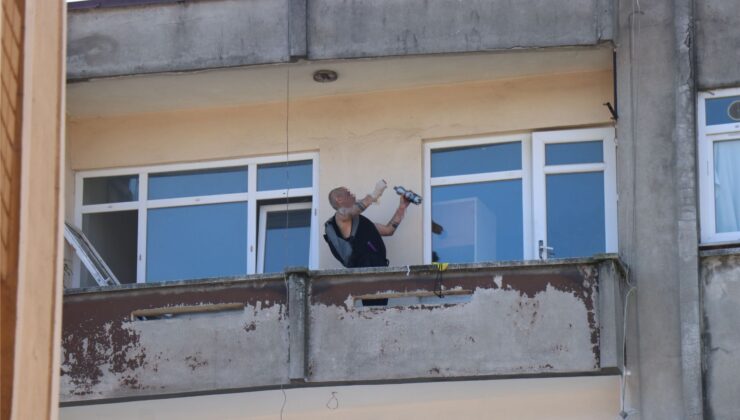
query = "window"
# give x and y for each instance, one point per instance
(189, 221)
(514, 197)
(719, 165)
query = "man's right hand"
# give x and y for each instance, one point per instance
(380, 186)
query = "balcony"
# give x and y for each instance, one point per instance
(381, 325)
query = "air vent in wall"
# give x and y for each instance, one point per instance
(734, 110)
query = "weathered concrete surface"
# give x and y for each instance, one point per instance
(649, 196)
(720, 277)
(526, 318)
(175, 37)
(223, 33)
(107, 354)
(516, 322)
(340, 28)
(717, 43)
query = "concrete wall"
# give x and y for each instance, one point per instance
(382, 133)
(583, 398)
(534, 318)
(720, 275)
(717, 43)
(107, 352)
(206, 34)
(658, 207)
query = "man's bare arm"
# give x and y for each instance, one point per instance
(390, 228)
(347, 213)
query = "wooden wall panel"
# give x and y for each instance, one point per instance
(11, 33)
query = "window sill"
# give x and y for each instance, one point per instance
(719, 249)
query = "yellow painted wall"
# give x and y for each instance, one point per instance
(360, 138)
(586, 398)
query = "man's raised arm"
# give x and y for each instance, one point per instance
(347, 213)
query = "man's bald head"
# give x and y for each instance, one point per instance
(341, 197)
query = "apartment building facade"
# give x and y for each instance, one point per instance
(577, 163)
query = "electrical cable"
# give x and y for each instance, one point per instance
(285, 400)
(634, 115)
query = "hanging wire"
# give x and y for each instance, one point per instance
(287, 168)
(634, 35)
(285, 400)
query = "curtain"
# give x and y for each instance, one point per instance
(727, 185)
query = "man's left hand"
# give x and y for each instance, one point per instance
(404, 202)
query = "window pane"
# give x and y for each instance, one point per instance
(480, 222)
(196, 242)
(570, 153)
(727, 185)
(282, 175)
(718, 110)
(287, 239)
(110, 189)
(197, 183)
(477, 159)
(575, 214)
(113, 235)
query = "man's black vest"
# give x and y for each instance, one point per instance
(363, 248)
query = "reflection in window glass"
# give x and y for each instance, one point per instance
(279, 176)
(727, 185)
(197, 183)
(287, 239)
(113, 234)
(718, 110)
(477, 159)
(570, 153)
(110, 189)
(196, 242)
(479, 221)
(575, 214)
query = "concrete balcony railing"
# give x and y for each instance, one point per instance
(524, 319)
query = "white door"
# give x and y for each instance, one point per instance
(574, 193)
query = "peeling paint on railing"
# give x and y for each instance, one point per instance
(518, 319)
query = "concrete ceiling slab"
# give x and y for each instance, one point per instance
(240, 86)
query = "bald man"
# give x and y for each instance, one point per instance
(354, 240)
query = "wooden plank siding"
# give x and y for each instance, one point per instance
(32, 36)
(11, 102)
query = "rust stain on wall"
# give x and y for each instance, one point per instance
(98, 338)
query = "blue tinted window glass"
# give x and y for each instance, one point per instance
(196, 242)
(477, 159)
(717, 110)
(287, 239)
(197, 183)
(477, 222)
(570, 153)
(110, 189)
(278, 176)
(575, 214)
(727, 185)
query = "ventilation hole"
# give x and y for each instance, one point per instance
(734, 110)
(374, 302)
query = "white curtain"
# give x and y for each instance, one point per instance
(727, 185)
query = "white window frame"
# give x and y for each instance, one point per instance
(539, 141)
(524, 174)
(251, 197)
(534, 216)
(707, 136)
(264, 209)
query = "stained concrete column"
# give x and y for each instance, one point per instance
(657, 204)
(297, 280)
